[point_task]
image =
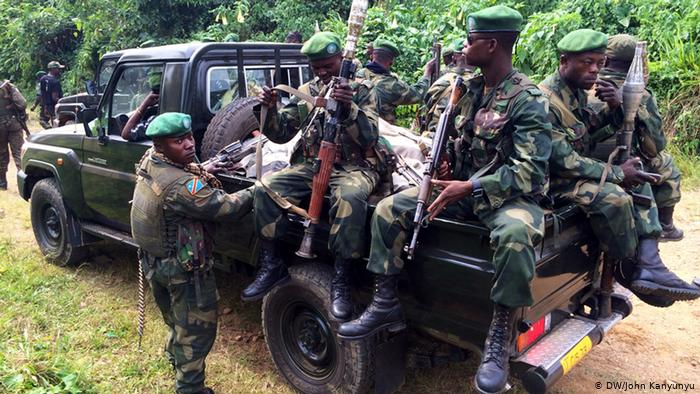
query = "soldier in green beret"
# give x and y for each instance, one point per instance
(353, 179)
(499, 170)
(626, 231)
(649, 139)
(389, 88)
(175, 203)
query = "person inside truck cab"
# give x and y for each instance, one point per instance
(135, 128)
(628, 231)
(504, 141)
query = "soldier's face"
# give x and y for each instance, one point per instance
(478, 49)
(326, 68)
(580, 70)
(179, 149)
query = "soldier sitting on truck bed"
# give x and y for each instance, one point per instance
(500, 173)
(352, 181)
(625, 230)
(174, 201)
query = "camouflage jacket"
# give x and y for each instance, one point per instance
(11, 95)
(649, 139)
(358, 132)
(439, 95)
(570, 133)
(506, 131)
(392, 91)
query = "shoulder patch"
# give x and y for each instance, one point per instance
(194, 185)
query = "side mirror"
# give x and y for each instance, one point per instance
(86, 116)
(91, 88)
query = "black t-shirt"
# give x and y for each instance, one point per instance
(50, 85)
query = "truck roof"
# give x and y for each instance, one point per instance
(186, 51)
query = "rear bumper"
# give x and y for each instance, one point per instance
(21, 182)
(556, 353)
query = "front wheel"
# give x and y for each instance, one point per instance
(301, 336)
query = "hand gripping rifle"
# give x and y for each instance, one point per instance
(327, 152)
(432, 162)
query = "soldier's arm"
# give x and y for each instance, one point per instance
(649, 121)
(193, 198)
(410, 94)
(362, 121)
(18, 100)
(525, 170)
(436, 101)
(280, 125)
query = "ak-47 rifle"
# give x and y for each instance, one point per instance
(327, 152)
(432, 162)
(436, 51)
(20, 115)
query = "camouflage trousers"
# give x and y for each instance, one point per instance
(667, 192)
(192, 325)
(515, 227)
(350, 187)
(10, 134)
(616, 220)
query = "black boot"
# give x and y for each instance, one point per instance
(271, 273)
(696, 282)
(341, 300)
(3, 182)
(206, 390)
(652, 277)
(623, 273)
(384, 312)
(492, 375)
(669, 232)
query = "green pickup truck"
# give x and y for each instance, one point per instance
(80, 178)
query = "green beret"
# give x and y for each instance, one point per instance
(621, 47)
(495, 19)
(457, 44)
(386, 45)
(232, 37)
(583, 40)
(169, 124)
(322, 45)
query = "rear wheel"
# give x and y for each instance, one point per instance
(234, 122)
(300, 335)
(52, 223)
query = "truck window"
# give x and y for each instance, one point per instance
(222, 87)
(105, 73)
(256, 78)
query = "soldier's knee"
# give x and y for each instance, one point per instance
(515, 233)
(613, 195)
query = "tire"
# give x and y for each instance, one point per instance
(232, 123)
(301, 336)
(52, 224)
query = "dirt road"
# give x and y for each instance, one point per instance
(653, 346)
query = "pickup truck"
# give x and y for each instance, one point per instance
(80, 178)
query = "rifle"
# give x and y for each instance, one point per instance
(431, 164)
(436, 50)
(327, 152)
(235, 152)
(20, 115)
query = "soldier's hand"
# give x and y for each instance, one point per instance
(151, 99)
(216, 167)
(634, 175)
(444, 171)
(607, 92)
(342, 93)
(268, 97)
(452, 191)
(429, 67)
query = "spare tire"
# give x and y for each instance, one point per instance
(232, 123)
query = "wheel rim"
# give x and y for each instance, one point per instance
(308, 341)
(51, 225)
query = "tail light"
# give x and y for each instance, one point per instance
(536, 330)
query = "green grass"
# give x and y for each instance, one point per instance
(689, 166)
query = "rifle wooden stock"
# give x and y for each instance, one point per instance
(326, 157)
(431, 165)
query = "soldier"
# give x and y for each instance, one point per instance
(650, 140)
(12, 105)
(459, 64)
(174, 203)
(135, 128)
(352, 181)
(499, 175)
(293, 37)
(447, 56)
(390, 90)
(39, 101)
(622, 228)
(51, 90)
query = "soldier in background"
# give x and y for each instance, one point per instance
(390, 90)
(294, 37)
(12, 104)
(499, 175)
(51, 90)
(649, 139)
(39, 101)
(174, 205)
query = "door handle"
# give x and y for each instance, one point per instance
(97, 160)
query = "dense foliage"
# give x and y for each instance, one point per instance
(77, 32)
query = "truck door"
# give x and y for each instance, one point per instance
(108, 172)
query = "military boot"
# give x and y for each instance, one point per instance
(3, 182)
(652, 277)
(669, 232)
(206, 390)
(341, 300)
(492, 375)
(384, 312)
(271, 273)
(623, 273)
(696, 282)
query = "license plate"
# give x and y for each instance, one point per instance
(576, 354)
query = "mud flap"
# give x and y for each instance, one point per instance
(390, 363)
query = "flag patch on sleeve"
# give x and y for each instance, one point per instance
(194, 185)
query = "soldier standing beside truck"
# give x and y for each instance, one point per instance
(500, 172)
(51, 90)
(174, 201)
(12, 107)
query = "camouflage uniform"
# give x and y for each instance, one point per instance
(167, 200)
(649, 143)
(616, 221)
(511, 119)
(10, 128)
(392, 91)
(352, 181)
(438, 95)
